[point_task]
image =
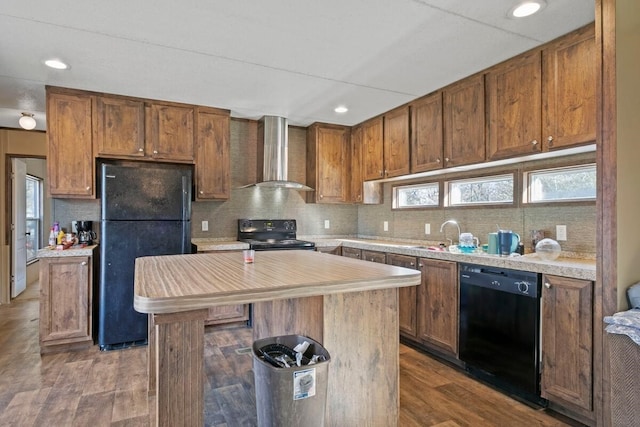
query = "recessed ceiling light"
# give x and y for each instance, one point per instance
(27, 121)
(526, 8)
(341, 109)
(56, 63)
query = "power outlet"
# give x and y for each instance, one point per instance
(385, 226)
(427, 229)
(205, 225)
(561, 232)
(327, 224)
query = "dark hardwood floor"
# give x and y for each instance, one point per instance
(93, 388)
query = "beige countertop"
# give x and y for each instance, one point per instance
(578, 268)
(51, 252)
(173, 283)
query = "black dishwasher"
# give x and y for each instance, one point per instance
(499, 338)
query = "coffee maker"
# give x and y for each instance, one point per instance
(85, 232)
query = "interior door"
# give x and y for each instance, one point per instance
(18, 227)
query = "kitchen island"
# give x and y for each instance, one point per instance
(350, 306)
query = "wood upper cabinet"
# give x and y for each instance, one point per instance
(438, 305)
(212, 157)
(464, 122)
(396, 142)
(569, 90)
(356, 195)
(70, 164)
(170, 131)
(372, 149)
(407, 297)
(328, 162)
(567, 342)
(426, 133)
(119, 127)
(65, 303)
(514, 90)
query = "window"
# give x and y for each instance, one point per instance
(33, 224)
(416, 196)
(574, 183)
(488, 190)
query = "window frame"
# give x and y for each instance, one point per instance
(396, 188)
(582, 200)
(513, 173)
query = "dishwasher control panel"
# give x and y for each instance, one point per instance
(520, 282)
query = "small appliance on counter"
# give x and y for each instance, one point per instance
(271, 234)
(85, 233)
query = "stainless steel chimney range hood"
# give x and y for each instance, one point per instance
(273, 151)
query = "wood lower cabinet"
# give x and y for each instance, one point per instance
(567, 343)
(227, 314)
(333, 250)
(351, 252)
(70, 164)
(437, 307)
(374, 256)
(328, 162)
(407, 297)
(213, 156)
(119, 127)
(65, 303)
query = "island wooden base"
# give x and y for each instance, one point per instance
(359, 329)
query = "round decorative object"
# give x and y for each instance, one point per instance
(548, 249)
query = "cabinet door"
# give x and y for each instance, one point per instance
(65, 305)
(356, 165)
(70, 153)
(464, 122)
(569, 90)
(351, 252)
(567, 342)
(227, 314)
(438, 305)
(374, 256)
(171, 132)
(328, 163)
(426, 133)
(119, 127)
(213, 161)
(515, 107)
(396, 142)
(372, 154)
(407, 297)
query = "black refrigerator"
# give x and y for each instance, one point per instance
(146, 210)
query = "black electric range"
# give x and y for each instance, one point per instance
(271, 234)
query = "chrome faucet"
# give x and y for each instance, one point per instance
(454, 222)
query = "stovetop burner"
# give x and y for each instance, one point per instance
(271, 234)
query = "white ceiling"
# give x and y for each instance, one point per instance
(293, 58)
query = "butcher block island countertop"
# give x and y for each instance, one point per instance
(348, 305)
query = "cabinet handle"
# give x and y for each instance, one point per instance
(381, 174)
(321, 196)
(88, 188)
(201, 192)
(446, 159)
(420, 265)
(155, 151)
(534, 142)
(547, 285)
(411, 263)
(386, 173)
(140, 150)
(438, 160)
(83, 263)
(550, 139)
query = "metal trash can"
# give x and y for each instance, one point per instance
(290, 396)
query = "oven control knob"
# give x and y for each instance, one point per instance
(495, 283)
(523, 287)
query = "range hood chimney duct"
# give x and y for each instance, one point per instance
(273, 151)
